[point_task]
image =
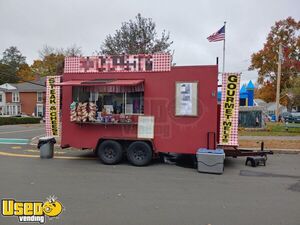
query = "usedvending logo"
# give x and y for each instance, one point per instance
(32, 211)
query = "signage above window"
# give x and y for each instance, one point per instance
(121, 63)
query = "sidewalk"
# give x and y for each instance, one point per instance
(259, 138)
(276, 150)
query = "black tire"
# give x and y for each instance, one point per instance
(139, 153)
(110, 152)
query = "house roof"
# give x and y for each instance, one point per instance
(271, 106)
(29, 87)
(39, 81)
(37, 85)
(259, 102)
(7, 87)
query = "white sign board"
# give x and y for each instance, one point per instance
(146, 127)
(186, 99)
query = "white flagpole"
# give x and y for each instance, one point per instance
(224, 48)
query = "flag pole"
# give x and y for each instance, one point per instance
(224, 47)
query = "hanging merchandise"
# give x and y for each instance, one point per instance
(83, 112)
(92, 112)
(73, 116)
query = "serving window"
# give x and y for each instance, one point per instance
(128, 103)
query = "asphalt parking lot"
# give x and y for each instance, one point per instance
(93, 193)
(22, 131)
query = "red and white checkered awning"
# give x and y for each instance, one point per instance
(102, 85)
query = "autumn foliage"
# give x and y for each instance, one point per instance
(266, 92)
(265, 61)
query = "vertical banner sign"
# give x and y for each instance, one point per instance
(229, 109)
(52, 106)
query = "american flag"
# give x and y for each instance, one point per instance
(218, 36)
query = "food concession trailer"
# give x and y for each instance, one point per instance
(140, 106)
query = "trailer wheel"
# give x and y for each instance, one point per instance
(139, 153)
(110, 152)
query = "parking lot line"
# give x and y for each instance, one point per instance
(14, 141)
(16, 147)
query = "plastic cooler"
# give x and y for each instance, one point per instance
(210, 161)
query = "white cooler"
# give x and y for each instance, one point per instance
(210, 161)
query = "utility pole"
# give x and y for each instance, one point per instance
(280, 58)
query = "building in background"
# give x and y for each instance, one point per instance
(246, 94)
(26, 98)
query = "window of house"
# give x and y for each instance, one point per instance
(39, 110)
(1, 98)
(19, 109)
(13, 110)
(15, 97)
(39, 96)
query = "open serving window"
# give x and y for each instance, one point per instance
(106, 101)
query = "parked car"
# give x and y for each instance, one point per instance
(288, 117)
(296, 117)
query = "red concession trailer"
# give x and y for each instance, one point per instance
(150, 111)
(139, 106)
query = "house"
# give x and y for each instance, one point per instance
(247, 94)
(270, 107)
(23, 98)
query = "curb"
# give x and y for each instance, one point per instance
(276, 150)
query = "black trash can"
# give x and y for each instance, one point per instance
(46, 146)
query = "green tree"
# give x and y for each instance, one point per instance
(10, 63)
(51, 60)
(293, 92)
(265, 61)
(136, 37)
(13, 58)
(7, 74)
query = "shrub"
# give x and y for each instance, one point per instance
(18, 120)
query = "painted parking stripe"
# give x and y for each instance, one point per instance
(14, 141)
